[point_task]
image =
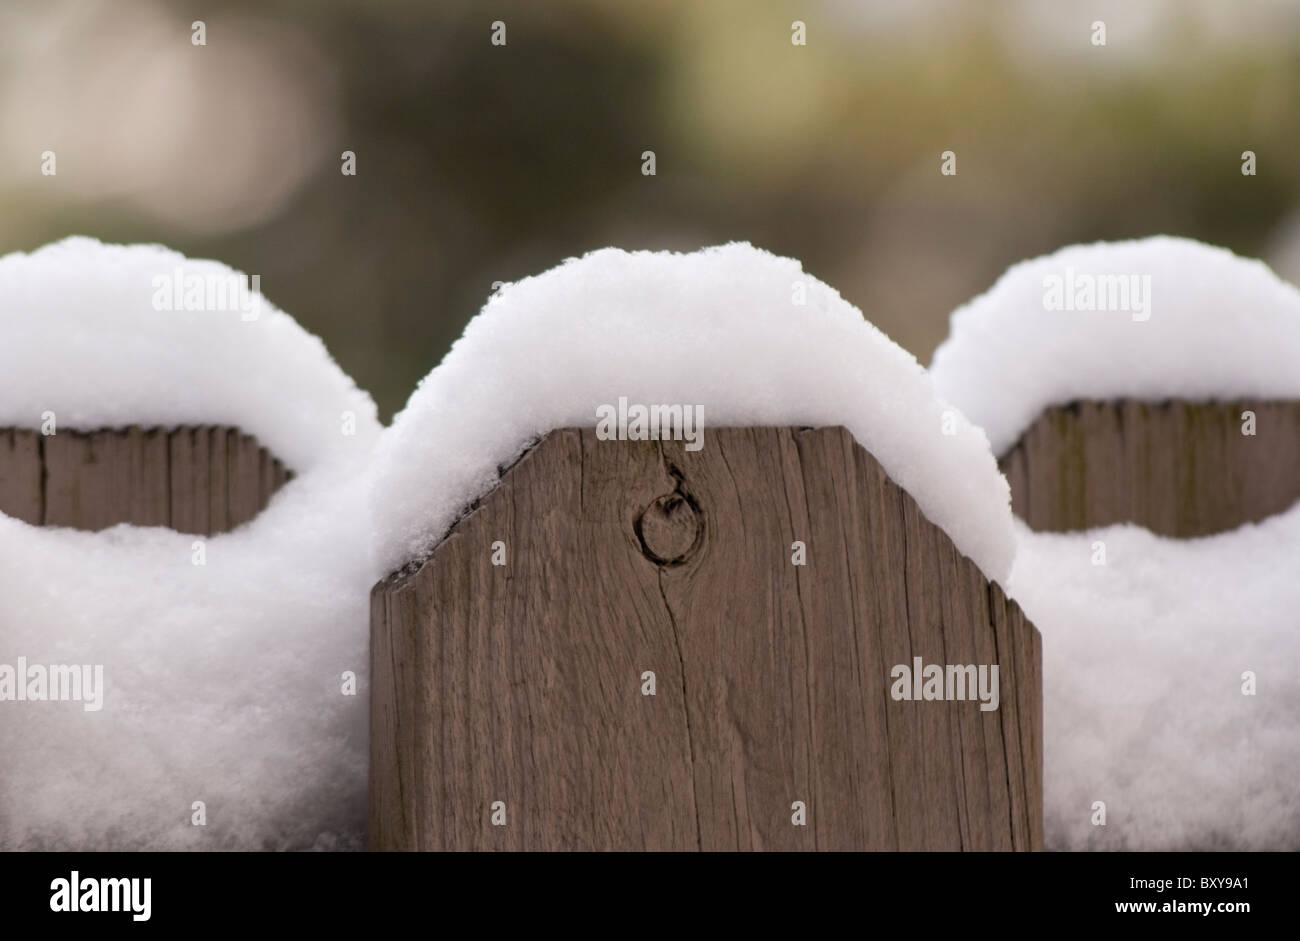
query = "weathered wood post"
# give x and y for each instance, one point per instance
(616, 650)
(1176, 467)
(202, 480)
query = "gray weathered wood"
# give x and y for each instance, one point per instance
(195, 480)
(1178, 468)
(522, 683)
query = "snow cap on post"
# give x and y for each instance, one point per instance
(1149, 319)
(745, 335)
(109, 336)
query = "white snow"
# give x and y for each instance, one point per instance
(1143, 660)
(1219, 326)
(719, 328)
(81, 336)
(223, 683)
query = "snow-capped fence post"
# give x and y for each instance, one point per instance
(1151, 382)
(144, 388)
(201, 480)
(1139, 393)
(632, 645)
(1176, 467)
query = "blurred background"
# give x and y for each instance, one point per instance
(479, 163)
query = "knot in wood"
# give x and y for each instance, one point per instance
(669, 529)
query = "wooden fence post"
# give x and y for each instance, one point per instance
(195, 480)
(645, 667)
(1178, 468)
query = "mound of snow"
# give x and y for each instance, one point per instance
(86, 333)
(222, 682)
(722, 329)
(1199, 323)
(1143, 663)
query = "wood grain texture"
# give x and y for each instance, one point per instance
(522, 683)
(1178, 468)
(21, 487)
(195, 480)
